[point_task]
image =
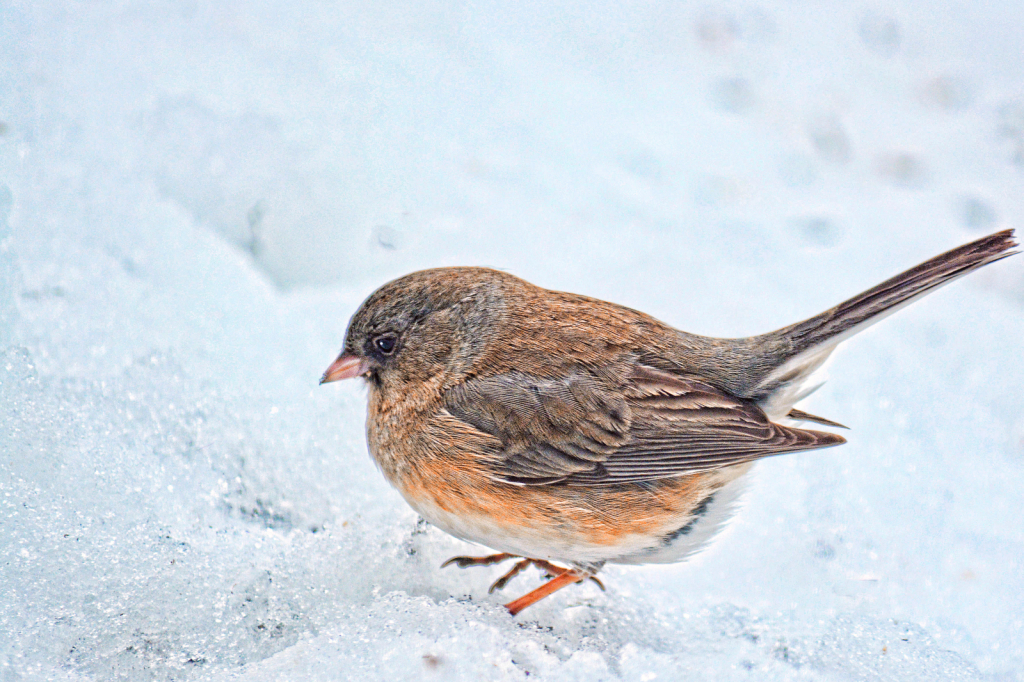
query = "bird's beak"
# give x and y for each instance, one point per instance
(345, 367)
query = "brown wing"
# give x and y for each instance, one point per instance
(579, 430)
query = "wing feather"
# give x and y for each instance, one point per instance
(584, 430)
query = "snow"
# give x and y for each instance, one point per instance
(195, 197)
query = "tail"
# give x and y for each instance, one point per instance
(803, 347)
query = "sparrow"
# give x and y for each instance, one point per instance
(553, 427)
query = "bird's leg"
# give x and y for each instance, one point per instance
(500, 583)
(567, 576)
(465, 561)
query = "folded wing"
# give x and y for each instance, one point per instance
(638, 424)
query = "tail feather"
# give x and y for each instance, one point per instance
(902, 288)
(807, 344)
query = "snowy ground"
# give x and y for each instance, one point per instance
(195, 197)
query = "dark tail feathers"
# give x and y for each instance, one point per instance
(816, 337)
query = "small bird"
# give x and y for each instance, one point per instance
(554, 427)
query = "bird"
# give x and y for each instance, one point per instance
(568, 432)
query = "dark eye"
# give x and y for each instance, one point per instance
(385, 343)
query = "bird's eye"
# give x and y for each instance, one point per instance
(386, 343)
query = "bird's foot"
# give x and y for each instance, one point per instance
(466, 561)
(558, 577)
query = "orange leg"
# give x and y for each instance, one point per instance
(567, 577)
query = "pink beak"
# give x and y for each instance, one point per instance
(345, 367)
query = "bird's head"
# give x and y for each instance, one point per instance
(425, 326)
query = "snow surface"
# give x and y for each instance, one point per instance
(194, 197)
